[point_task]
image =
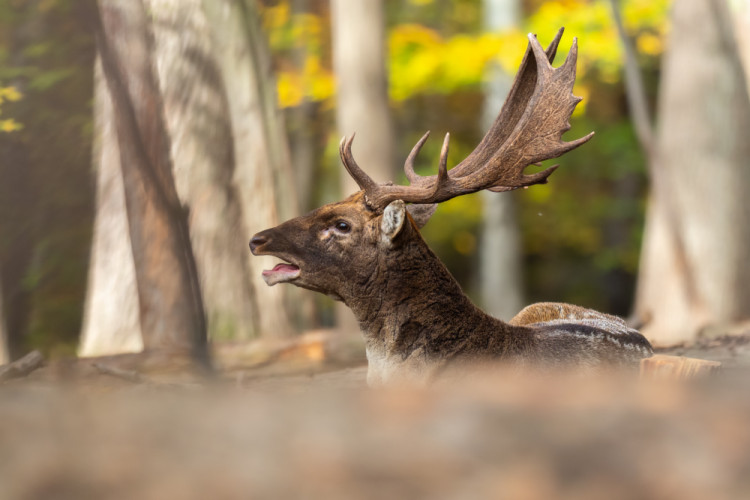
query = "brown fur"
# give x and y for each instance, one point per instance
(413, 314)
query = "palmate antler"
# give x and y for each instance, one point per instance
(528, 130)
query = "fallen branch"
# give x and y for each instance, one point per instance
(22, 367)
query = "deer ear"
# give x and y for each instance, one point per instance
(421, 213)
(393, 219)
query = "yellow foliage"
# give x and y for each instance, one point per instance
(422, 60)
(9, 94)
(276, 17)
(414, 36)
(319, 82)
(9, 125)
(650, 44)
(302, 36)
(512, 47)
(591, 21)
(290, 91)
(307, 27)
(312, 82)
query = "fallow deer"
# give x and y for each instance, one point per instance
(367, 250)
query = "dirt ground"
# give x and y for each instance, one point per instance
(301, 423)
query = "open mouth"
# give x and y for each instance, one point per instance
(281, 273)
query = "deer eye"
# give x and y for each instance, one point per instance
(342, 226)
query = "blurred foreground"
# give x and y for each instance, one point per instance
(72, 433)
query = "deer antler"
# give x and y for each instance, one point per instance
(528, 130)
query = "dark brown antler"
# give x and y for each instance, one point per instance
(528, 130)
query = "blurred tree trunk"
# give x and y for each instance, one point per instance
(362, 97)
(694, 270)
(16, 261)
(306, 135)
(741, 25)
(111, 321)
(211, 155)
(500, 264)
(262, 174)
(230, 165)
(171, 307)
(4, 358)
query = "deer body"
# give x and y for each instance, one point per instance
(418, 324)
(416, 320)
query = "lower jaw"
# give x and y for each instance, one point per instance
(272, 280)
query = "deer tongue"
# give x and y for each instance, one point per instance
(280, 273)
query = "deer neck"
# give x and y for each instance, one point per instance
(415, 308)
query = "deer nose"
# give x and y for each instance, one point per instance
(257, 241)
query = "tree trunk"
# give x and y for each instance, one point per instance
(4, 358)
(741, 17)
(500, 264)
(229, 163)
(17, 257)
(111, 322)
(262, 174)
(171, 307)
(362, 96)
(694, 270)
(197, 110)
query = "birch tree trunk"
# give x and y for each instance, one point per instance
(500, 265)
(694, 271)
(230, 165)
(361, 97)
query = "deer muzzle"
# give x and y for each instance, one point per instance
(283, 272)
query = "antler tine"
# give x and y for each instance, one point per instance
(568, 70)
(543, 60)
(409, 163)
(572, 58)
(363, 180)
(552, 47)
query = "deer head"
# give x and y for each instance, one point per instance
(343, 249)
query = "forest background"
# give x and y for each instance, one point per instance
(580, 237)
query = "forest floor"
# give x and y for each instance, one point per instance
(294, 419)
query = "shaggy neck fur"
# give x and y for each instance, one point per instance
(415, 318)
